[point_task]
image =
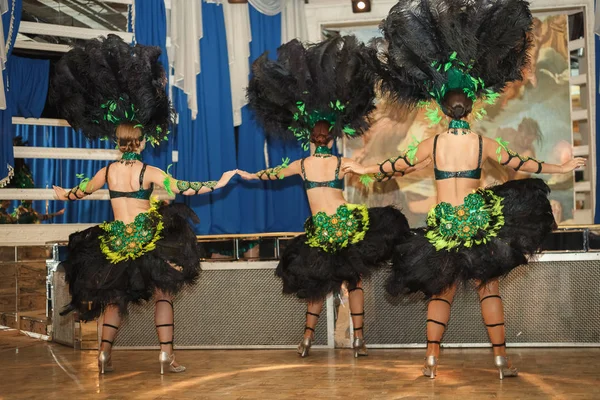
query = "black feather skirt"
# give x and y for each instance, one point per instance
(118, 264)
(344, 247)
(488, 236)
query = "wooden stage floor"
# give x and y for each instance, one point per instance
(33, 369)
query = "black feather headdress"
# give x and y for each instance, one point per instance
(327, 81)
(435, 46)
(107, 82)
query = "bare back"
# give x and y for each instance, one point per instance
(454, 154)
(323, 170)
(126, 179)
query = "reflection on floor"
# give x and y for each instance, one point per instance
(33, 369)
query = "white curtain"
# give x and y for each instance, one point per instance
(293, 21)
(184, 57)
(237, 25)
(268, 7)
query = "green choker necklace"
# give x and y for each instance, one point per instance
(322, 152)
(457, 124)
(129, 158)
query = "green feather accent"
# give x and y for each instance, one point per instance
(503, 145)
(491, 97)
(167, 185)
(433, 115)
(411, 153)
(349, 131)
(167, 181)
(83, 184)
(366, 179)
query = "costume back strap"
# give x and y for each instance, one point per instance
(434, 151)
(142, 172)
(302, 167)
(337, 169)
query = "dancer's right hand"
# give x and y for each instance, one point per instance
(60, 193)
(225, 178)
(247, 175)
(573, 164)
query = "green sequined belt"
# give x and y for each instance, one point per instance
(121, 241)
(334, 232)
(474, 222)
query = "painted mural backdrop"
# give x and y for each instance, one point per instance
(532, 115)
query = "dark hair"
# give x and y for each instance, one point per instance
(456, 104)
(320, 135)
(129, 138)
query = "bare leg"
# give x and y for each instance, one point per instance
(312, 317)
(356, 298)
(492, 311)
(110, 326)
(164, 320)
(438, 315)
(313, 311)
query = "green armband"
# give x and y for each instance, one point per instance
(182, 186)
(273, 173)
(513, 154)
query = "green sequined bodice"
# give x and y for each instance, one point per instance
(474, 222)
(348, 225)
(129, 241)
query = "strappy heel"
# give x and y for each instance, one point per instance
(431, 362)
(104, 356)
(501, 362)
(165, 359)
(306, 343)
(359, 345)
(430, 367)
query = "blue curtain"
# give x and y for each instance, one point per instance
(289, 198)
(6, 151)
(29, 80)
(207, 144)
(256, 206)
(151, 30)
(47, 172)
(597, 66)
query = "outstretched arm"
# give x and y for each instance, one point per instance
(416, 158)
(499, 151)
(279, 172)
(85, 187)
(47, 217)
(186, 188)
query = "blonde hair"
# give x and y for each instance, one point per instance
(129, 138)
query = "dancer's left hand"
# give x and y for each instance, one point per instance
(353, 167)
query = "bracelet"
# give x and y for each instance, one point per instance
(182, 186)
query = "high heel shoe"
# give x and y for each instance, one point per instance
(304, 346)
(105, 362)
(504, 370)
(430, 367)
(360, 347)
(166, 360)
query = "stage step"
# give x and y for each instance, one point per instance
(34, 321)
(29, 321)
